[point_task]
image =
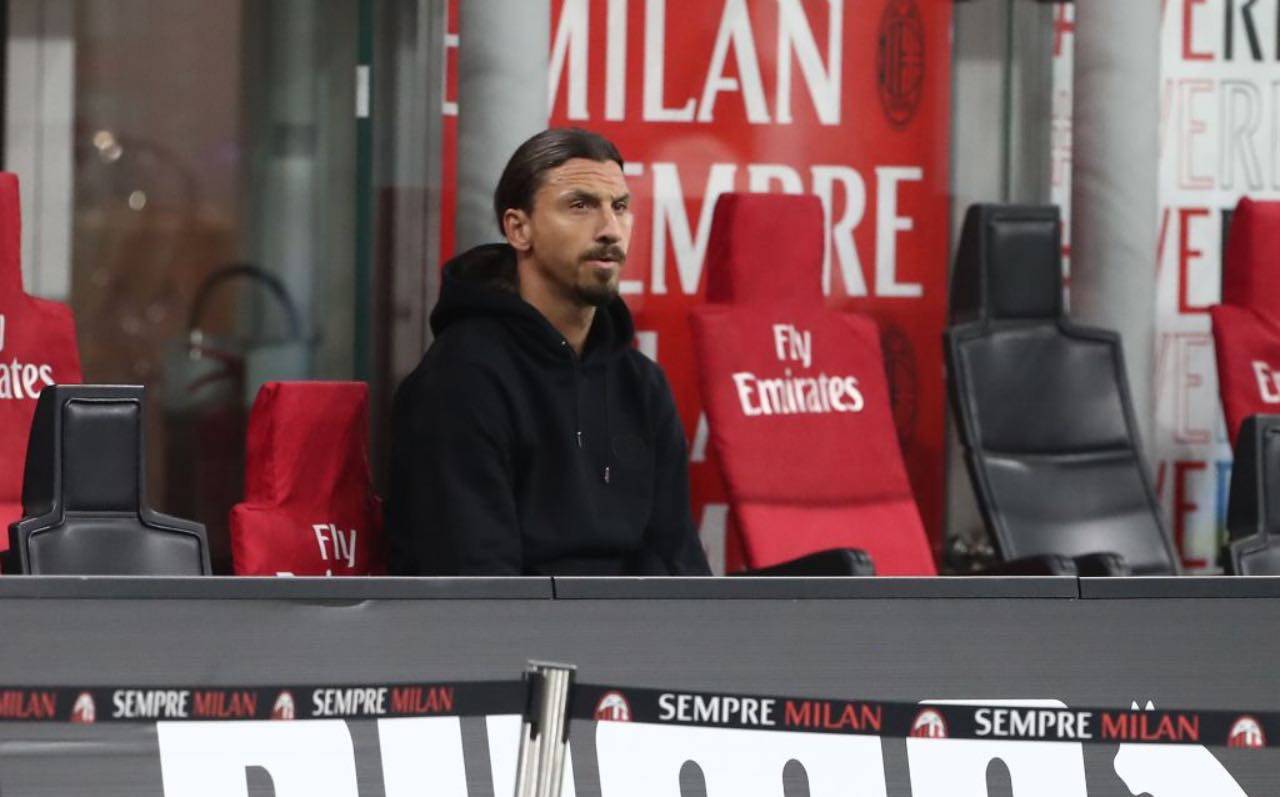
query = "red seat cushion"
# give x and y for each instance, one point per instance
(309, 507)
(37, 349)
(797, 398)
(1248, 353)
(1246, 326)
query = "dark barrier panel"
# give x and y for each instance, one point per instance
(1059, 642)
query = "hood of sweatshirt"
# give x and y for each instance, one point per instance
(483, 282)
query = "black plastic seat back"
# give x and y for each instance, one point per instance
(1042, 404)
(84, 496)
(1253, 508)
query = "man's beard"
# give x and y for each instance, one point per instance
(598, 294)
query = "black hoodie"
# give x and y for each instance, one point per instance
(512, 455)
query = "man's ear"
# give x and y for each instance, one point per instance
(515, 223)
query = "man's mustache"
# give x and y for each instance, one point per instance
(610, 252)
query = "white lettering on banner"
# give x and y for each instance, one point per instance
(22, 380)
(615, 85)
(840, 233)
(570, 45)
(1015, 723)
(671, 225)
(795, 36)
(888, 225)
(503, 732)
(735, 31)
(1268, 382)
(420, 750)
(655, 49)
(1166, 770)
(363, 701)
(717, 709)
(642, 760)
(150, 703)
(669, 214)
(304, 759)
(343, 544)
(795, 43)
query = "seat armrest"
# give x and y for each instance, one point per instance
(833, 562)
(1041, 565)
(1103, 563)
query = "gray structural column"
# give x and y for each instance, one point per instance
(1114, 205)
(502, 100)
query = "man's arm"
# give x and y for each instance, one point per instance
(456, 512)
(672, 537)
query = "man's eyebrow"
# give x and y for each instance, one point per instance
(623, 198)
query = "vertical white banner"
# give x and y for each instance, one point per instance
(1219, 140)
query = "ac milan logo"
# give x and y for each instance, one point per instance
(83, 711)
(900, 61)
(929, 724)
(1246, 732)
(283, 708)
(613, 707)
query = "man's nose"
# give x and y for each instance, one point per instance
(610, 228)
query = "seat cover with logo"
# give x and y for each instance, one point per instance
(797, 399)
(37, 348)
(309, 507)
(1246, 326)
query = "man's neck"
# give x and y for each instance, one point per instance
(571, 319)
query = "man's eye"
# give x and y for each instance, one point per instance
(621, 207)
(577, 204)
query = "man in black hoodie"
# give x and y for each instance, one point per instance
(533, 439)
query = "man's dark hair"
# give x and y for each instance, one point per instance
(523, 176)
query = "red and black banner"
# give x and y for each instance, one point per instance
(1032, 721)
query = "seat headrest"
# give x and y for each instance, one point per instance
(307, 438)
(85, 450)
(1009, 264)
(1251, 269)
(765, 249)
(10, 235)
(1253, 506)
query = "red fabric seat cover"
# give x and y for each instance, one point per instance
(37, 348)
(797, 399)
(309, 507)
(1246, 326)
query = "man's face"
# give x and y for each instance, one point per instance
(579, 229)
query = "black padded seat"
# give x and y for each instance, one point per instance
(84, 495)
(1043, 404)
(1253, 507)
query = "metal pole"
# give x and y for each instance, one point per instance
(1115, 215)
(544, 733)
(503, 54)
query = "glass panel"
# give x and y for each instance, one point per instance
(214, 219)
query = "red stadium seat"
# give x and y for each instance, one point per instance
(797, 399)
(1246, 326)
(37, 349)
(309, 507)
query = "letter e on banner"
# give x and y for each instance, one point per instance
(304, 759)
(420, 750)
(645, 760)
